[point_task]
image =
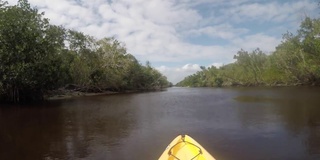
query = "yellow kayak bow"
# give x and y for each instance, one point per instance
(183, 147)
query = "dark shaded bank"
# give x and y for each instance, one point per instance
(72, 91)
(230, 84)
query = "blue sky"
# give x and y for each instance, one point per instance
(178, 36)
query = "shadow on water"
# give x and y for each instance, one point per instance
(26, 131)
(64, 129)
(296, 109)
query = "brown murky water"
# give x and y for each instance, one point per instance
(238, 123)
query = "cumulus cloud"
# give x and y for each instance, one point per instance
(272, 11)
(176, 74)
(161, 30)
(224, 31)
(218, 65)
(262, 41)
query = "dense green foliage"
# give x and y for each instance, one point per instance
(36, 57)
(296, 61)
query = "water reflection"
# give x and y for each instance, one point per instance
(285, 110)
(234, 123)
(71, 129)
(30, 133)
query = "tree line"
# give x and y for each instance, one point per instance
(37, 57)
(296, 61)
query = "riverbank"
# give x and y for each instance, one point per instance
(276, 84)
(249, 85)
(232, 84)
(71, 91)
(66, 94)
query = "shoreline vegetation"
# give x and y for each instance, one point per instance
(39, 60)
(295, 62)
(73, 91)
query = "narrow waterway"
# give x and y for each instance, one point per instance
(231, 123)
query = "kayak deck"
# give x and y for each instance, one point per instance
(183, 147)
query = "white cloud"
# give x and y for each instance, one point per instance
(156, 30)
(176, 74)
(218, 65)
(264, 42)
(224, 31)
(272, 11)
(190, 67)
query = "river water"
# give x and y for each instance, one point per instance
(231, 123)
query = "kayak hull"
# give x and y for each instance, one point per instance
(183, 147)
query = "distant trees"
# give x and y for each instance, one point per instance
(296, 61)
(36, 57)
